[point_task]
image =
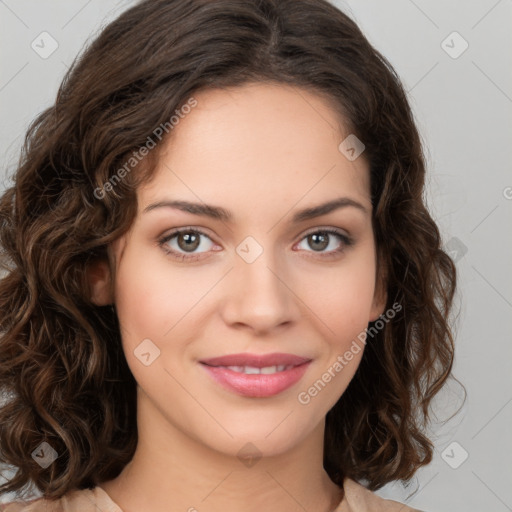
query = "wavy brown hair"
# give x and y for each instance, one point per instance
(63, 373)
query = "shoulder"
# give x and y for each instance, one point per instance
(359, 499)
(83, 500)
(34, 505)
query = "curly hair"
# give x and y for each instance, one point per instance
(63, 373)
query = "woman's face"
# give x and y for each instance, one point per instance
(259, 282)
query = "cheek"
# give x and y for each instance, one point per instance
(151, 304)
(162, 304)
(150, 297)
(342, 298)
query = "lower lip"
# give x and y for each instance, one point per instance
(257, 385)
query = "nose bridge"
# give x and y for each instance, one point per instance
(258, 295)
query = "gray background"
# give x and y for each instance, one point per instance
(463, 106)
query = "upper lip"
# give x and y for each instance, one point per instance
(256, 360)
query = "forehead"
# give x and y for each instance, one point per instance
(264, 142)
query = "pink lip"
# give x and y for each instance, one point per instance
(256, 385)
(255, 360)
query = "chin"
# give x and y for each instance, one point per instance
(266, 440)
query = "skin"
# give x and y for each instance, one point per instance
(263, 152)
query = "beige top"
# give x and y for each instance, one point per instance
(356, 499)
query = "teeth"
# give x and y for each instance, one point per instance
(238, 369)
(266, 370)
(250, 370)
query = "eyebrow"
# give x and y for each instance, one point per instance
(219, 213)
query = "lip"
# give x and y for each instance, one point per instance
(256, 360)
(256, 385)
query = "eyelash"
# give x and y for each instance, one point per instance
(346, 242)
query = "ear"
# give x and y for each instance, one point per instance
(98, 275)
(380, 296)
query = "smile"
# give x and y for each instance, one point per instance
(251, 370)
(254, 382)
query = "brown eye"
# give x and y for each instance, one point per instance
(322, 239)
(318, 241)
(188, 241)
(183, 243)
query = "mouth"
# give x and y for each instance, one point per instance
(256, 376)
(253, 370)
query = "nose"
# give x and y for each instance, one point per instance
(259, 295)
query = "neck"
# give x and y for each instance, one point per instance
(172, 471)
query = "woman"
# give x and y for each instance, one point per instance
(222, 287)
